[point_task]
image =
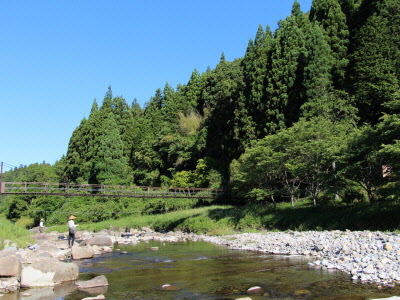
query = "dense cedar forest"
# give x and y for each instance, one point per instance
(311, 111)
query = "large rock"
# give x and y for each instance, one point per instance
(100, 240)
(31, 277)
(50, 271)
(9, 284)
(95, 282)
(41, 238)
(10, 265)
(50, 247)
(80, 252)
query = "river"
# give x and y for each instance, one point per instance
(200, 270)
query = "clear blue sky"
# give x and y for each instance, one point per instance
(56, 57)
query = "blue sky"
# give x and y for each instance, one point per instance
(58, 56)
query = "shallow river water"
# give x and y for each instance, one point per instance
(199, 270)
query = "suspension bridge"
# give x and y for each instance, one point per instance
(98, 190)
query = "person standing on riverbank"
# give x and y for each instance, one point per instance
(41, 226)
(71, 231)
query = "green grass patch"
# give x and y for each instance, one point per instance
(16, 234)
(228, 219)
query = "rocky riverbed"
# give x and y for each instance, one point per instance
(366, 256)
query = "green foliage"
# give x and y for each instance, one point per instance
(285, 88)
(329, 14)
(25, 222)
(296, 161)
(110, 166)
(16, 234)
(375, 61)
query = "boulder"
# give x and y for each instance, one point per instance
(96, 249)
(9, 284)
(49, 247)
(106, 249)
(10, 265)
(7, 252)
(41, 238)
(50, 271)
(99, 240)
(95, 282)
(31, 277)
(78, 252)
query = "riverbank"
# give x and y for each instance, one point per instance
(366, 256)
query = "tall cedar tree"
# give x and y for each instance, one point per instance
(285, 91)
(111, 163)
(222, 96)
(329, 14)
(374, 72)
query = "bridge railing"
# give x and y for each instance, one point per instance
(71, 189)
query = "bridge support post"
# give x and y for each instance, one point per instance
(2, 187)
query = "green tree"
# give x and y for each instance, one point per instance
(361, 164)
(110, 164)
(374, 74)
(329, 14)
(285, 91)
(255, 70)
(322, 99)
(225, 120)
(296, 161)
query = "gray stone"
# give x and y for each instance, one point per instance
(62, 271)
(31, 277)
(255, 290)
(100, 240)
(10, 266)
(80, 252)
(95, 282)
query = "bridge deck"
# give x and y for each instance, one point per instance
(96, 190)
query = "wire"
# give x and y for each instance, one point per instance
(98, 213)
(9, 165)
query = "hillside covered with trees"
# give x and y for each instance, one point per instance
(311, 111)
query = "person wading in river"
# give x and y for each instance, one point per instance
(71, 231)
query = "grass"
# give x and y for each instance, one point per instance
(228, 219)
(191, 220)
(16, 234)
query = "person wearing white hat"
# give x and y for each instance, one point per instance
(71, 231)
(41, 226)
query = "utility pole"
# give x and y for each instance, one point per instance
(1, 178)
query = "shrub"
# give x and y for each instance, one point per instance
(25, 222)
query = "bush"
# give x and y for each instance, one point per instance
(25, 222)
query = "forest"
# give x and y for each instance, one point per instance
(310, 113)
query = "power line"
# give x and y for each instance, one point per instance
(98, 213)
(9, 165)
